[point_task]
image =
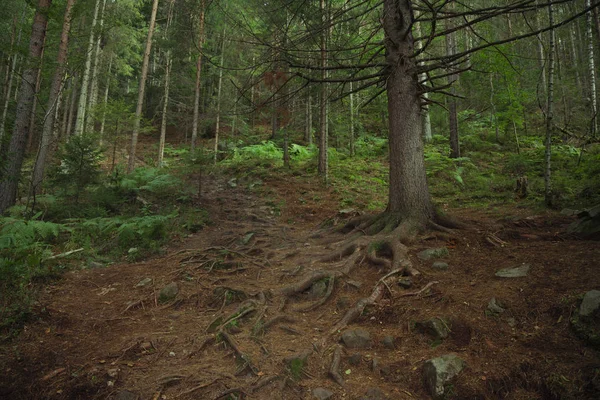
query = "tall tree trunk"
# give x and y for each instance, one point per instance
(53, 98)
(592, 71)
(141, 89)
(308, 135)
(38, 83)
(409, 195)
(323, 166)
(219, 92)
(168, 61)
(198, 72)
(16, 150)
(11, 75)
(427, 134)
(352, 150)
(105, 99)
(93, 96)
(549, 111)
(85, 80)
(452, 79)
(68, 129)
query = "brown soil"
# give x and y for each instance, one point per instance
(98, 334)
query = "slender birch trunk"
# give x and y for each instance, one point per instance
(549, 111)
(53, 98)
(141, 89)
(427, 135)
(452, 106)
(168, 62)
(592, 71)
(198, 75)
(105, 99)
(93, 96)
(18, 141)
(323, 134)
(219, 91)
(85, 80)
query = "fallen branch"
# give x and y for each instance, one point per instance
(62, 255)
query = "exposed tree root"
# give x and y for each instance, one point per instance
(334, 370)
(247, 363)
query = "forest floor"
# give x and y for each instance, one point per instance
(241, 327)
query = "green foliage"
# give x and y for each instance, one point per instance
(370, 146)
(79, 165)
(151, 180)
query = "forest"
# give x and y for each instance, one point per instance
(299, 199)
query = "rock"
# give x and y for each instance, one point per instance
(168, 293)
(495, 307)
(375, 365)
(436, 327)
(354, 284)
(516, 272)
(569, 212)
(588, 224)
(511, 322)
(125, 395)
(388, 342)
(144, 282)
(94, 264)
(590, 303)
(355, 359)
(440, 265)
(439, 371)
(322, 394)
(405, 283)
(357, 338)
(317, 290)
(429, 254)
(374, 394)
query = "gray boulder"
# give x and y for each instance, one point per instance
(439, 371)
(438, 328)
(374, 393)
(590, 303)
(440, 266)
(357, 339)
(495, 307)
(516, 272)
(322, 394)
(587, 225)
(429, 254)
(168, 293)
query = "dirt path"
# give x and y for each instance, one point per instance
(243, 326)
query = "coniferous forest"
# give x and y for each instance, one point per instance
(359, 199)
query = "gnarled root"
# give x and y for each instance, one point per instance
(334, 370)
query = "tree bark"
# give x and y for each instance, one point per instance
(219, 92)
(323, 165)
(93, 96)
(53, 97)
(168, 63)
(198, 72)
(105, 100)
(18, 141)
(452, 106)
(85, 80)
(592, 71)
(141, 89)
(549, 112)
(408, 194)
(308, 135)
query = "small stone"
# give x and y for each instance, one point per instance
(374, 394)
(439, 371)
(322, 394)
(355, 359)
(405, 283)
(357, 339)
(94, 264)
(125, 395)
(388, 342)
(429, 254)
(375, 365)
(440, 265)
(590, 303)
(144, 282)
(112, 372)
(511, 322)
(317, 290)
(495, 307)
(171, 354)
(516, 272)
(569, 212)
(436, 327)
(168, 293)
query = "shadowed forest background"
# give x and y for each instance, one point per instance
(346, 135)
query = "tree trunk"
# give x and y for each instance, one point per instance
(38, 83)
(219, 91)
(16, 150)
(68, 129)
(141, 89)
(592, 71)
(409, 195)
(323, 166)
(105, 100)
(93, 96)
(308, 135)
(85, 80)
(198, 71)
(427, 134)
(168, 61)
(53, 97)
(452, 106)
(549, 112)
